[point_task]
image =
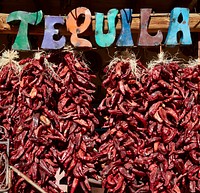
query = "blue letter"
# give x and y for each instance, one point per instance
(105, 40)
(176, 26)
(48, 41)
(125, 38)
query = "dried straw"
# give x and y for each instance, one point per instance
(49, 67)
(192, 63)
(38, 55)
(9, 57)
(126, 57)
(68, 48)
(163, 58)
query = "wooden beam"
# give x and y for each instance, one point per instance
(158, 21)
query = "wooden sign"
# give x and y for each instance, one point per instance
(102, 39)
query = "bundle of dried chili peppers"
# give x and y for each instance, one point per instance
(123, 144)
(77, 121)
(51, 122)
(152, 141)
(35, 128)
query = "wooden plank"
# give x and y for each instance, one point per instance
(97, 190)
(158, 21)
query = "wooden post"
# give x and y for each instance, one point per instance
(97, 190)
(96, 186)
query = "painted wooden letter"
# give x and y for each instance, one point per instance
(21, 40)
(105, 40)
(145, 39)
(75, 29)
(48, 40)
(179, 21)
(125, 38)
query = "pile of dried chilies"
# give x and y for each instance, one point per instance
(152, 142)
(46, 109)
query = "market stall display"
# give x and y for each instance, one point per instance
(151, 117)
(113, 113)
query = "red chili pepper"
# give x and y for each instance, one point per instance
(15, 155)
(80, 88)
(192, 171)
(125, 173)
(74, 185)
(157, 116)
(121, 87)
(45, 168)
(194, 113)
(138, 173)
(128, 90)
(34, 171)
(164, 84)
(17, 185)
(67, 153)
(86, 182)
(140, 118)
(154, 108)
(157, 95)
(122, 109)
(120, 180)
(169, 134)
(110, 180)
(143, 189)
(190, 147)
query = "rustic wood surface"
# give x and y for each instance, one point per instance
(57, 7)
(158, 21)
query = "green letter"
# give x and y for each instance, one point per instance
(21, 41)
